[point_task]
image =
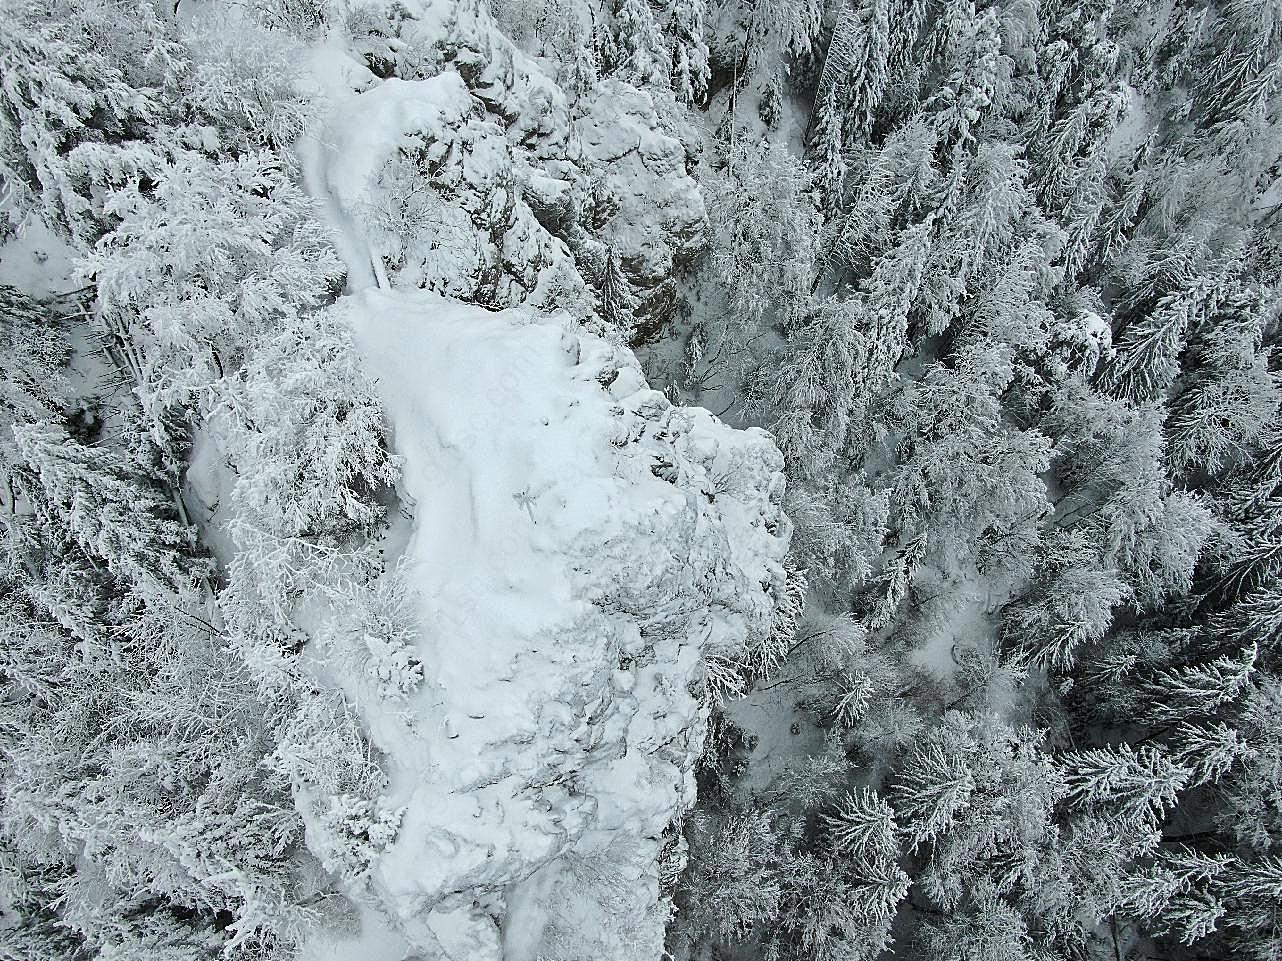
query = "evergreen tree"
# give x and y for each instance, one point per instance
(1149, 349)
(638, 44)
(1229, 395)
(66, 94)
(616, 300)
(93, 498)
(198, 268)
(959, 105)
(855, 70)
(827, 154)
(690, 70)
(817, 389)
(1133, 786)
(766, 230)
(33, 349)
(316, 454)
(732, 883)
(1068, 603)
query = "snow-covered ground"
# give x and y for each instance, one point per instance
(577, 544)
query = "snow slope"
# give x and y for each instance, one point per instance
(577, 544)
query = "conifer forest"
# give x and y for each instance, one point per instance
(640, 480)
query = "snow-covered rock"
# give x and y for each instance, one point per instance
(657, 219)
(469, 173)
(578, 545)
(427, 176)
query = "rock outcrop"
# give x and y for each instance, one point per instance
(579, 547)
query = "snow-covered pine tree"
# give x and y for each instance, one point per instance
(1136, 787)
(1149, 349)
(766, 228)
(690, 71)
(974, 46)
(856, 66)
(1229, 394)
(319, 470)
(827, 152)
(76, 101)
(1068, 602)
(638, 45)
(93, 497)
(732, 883)
(615, 298)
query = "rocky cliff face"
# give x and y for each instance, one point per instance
(578, 547)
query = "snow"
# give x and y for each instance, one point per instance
(363, 131)
(502, 177)
(36, 260)
(334, 78)
(577, 542)
(659, 221)
(784, 732)
(1134, 127)
(374, 941)
(960, 618)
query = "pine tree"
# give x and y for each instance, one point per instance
(1149, 349)
(1133, 786)
(855, 70)
(1184, 693)
(1209, 751)
(615, 298)
(690, 70)
(63, 95)
(958, 107)
(1069, 603)
(639, 47)
(991, 930)
(890, 293)
(936, 783)
(33, 349)
(979, 234)
(817, 390)
(1251, 894)
(907, 17)
(582, 68)
(1236, 77)
(862, 825)
(1257, 617)
(1070, 159)
(216, 255)
(1229, 395)
(763, 35)
(766, 229)
(830, 910)
(92, 496)
(962, 476)
(315, 450)
(732, 883)
(827, 154)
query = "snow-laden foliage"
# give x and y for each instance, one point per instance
(343, 623)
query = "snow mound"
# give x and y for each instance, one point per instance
(578, 543)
